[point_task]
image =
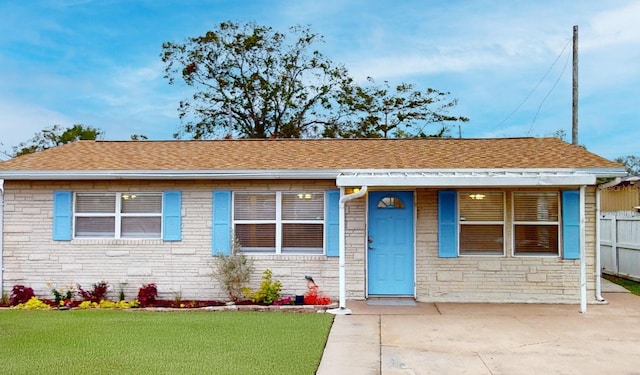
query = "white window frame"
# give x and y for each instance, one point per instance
(117, 214)
(462, 222)
(556, 223)
(279, 222)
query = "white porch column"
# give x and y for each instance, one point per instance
(342, 274)
(1, 234)
(583, 244)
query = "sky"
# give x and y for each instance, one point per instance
(508, 63)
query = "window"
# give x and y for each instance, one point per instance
(118, 215)
(536, 223)
(481, 223)
(280, 222)
(390, 202)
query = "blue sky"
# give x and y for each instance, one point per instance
(508, 63)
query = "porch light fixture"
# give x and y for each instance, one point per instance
(477, 196)
(305, 196)
(352, 190)
(127, 196)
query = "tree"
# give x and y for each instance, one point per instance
(380, 111)
(560, 134)
(138, 137)
(254, 82)
(631, 164)
(56, 136)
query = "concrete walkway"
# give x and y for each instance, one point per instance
(487, 339)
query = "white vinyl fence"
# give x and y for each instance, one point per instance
(620, 244)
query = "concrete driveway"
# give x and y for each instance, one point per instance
(483, 339)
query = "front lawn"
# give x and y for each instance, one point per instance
(148, 342)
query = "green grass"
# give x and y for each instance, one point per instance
(632, 286)
(147, 342)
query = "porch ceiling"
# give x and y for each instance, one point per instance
(467, 178)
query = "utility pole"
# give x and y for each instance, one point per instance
(574, 127)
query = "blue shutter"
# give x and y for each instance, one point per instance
(571, 224)
(332, 231)
(172, 215)
(62, 211)
(447, 224)
(221, 223)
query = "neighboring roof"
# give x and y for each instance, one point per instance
(621, 181)
(125, 158)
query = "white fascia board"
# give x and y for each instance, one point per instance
(381, 177)
(389, 181)
(473, 178)
(172, 175)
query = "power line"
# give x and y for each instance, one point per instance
(536, 86)
(564, 68)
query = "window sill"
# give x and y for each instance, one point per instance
(536, 255)
(117, 241)
(256, 254)
(484, 255)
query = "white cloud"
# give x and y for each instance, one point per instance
(614, 27)
(20, 121)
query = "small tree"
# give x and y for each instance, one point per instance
(56, 136)
(233, 271)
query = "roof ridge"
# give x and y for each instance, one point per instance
(309, 140)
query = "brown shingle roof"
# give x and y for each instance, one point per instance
(311, 154)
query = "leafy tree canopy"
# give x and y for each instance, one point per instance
(251, 81)
(382, 111)
(56, 136)
(631, 164)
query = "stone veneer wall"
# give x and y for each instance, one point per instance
(498, 278)
(183, 268)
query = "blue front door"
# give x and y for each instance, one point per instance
(390, 251)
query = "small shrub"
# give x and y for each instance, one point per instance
(32, 304)
(87, 305)
(269, 291)
(122, 304)
(97, 294)
(147, 294)
(105, 304)
(233, 271)
(63, 297)
(314, 297)
(121, 295)
(20, 294)
(5, 299)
